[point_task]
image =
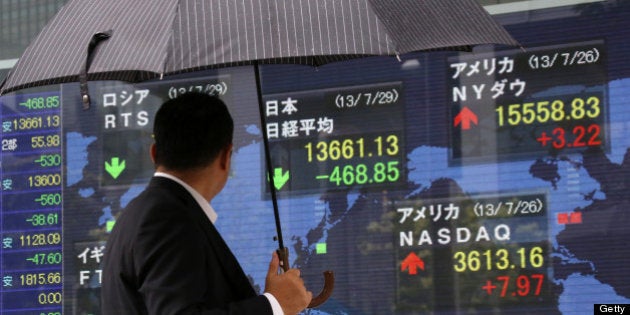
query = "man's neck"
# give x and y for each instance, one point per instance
(198, 179)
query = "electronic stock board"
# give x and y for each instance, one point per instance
(448, 183)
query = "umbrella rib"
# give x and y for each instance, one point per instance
(238, 36)
(310, 23)
(297, 48)
(378, 34)
(262, 27)
(190, 42)
(221, 33)
(327, 27)
(361, 31)
(286, 27)
(251, 7)
(336, 31)
(181, 44)
(304, 44)
(205, 33)
(270, 30)
(229, 37)
(345, 31)
(246, 35)
(214, 41)
(319, 26)
(369, 27)
(278, 32)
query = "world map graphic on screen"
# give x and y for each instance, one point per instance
(444, 183)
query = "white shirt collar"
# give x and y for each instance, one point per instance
(203, 203)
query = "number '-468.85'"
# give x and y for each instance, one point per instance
(360, 174)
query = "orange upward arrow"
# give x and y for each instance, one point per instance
(412, 263)
(465, 117)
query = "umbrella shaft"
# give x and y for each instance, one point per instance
(267, 149)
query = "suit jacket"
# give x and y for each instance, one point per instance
(165, 257)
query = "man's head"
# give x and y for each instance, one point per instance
(190, 131)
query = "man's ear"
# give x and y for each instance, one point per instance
(226, 157)
(152, 152)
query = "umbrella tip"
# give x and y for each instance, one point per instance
(86, 101)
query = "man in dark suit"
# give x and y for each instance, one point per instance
(164, 255)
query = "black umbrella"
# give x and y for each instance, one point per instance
(152, 38)
(136, 40)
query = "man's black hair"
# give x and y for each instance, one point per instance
(190, 131)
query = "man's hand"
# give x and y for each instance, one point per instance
(288, 288)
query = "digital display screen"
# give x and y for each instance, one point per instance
(321, 135)
(529, 114)
(491, 182)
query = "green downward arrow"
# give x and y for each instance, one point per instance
(279, 178)
(115, 167)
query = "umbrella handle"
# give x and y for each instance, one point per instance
(329, 279)
(329, 285)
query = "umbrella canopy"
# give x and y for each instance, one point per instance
(151, 38)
